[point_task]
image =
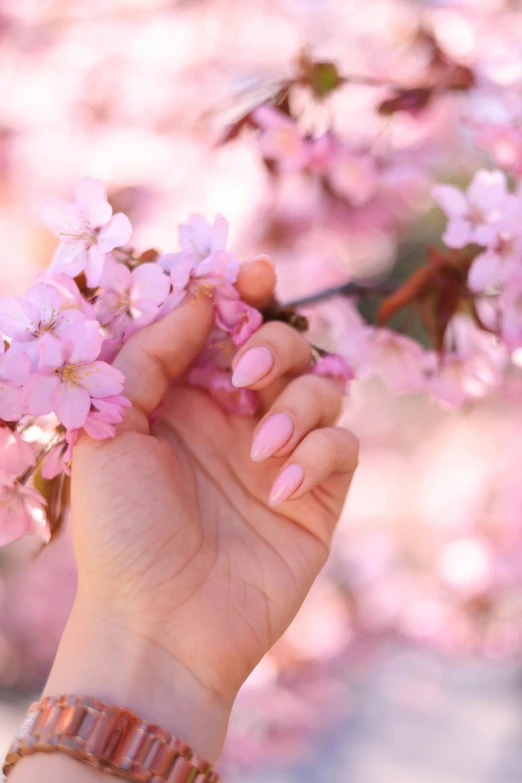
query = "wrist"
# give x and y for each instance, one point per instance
(100, 658)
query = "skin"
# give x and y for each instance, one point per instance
(187, 575)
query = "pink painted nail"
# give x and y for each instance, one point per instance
(286, 484)
(253, 365)
(275, 432)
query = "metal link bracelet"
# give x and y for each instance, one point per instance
(110, 739)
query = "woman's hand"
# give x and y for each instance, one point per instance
(189, 550)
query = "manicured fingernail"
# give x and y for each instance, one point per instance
(253, 365)
(272, 436)
(286, 484)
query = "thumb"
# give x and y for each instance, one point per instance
(158, 354)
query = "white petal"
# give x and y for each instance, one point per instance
(115, 234)
(151, 283)
(91, 196)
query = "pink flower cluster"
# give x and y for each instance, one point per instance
(488, 215)
(58, 341)
(350, 174)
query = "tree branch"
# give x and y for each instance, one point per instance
(348, 289)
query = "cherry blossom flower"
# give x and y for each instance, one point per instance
(87, 229)
(198, 240)
(202, 265)
(497, 262)
(130, 300)
(189, 278)
(334, 366)
(105, 413)
(14, 370)
(21, 507)
(43, 310)
(218, 383)
(478, 215)
(397, 359)
(235, 316)
(69, 376)
(280, 139)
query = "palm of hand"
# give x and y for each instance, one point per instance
(180, 526)
(174, 537)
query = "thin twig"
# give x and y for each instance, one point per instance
(348, 289)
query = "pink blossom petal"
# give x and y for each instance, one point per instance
(91, 196)
(115, 276)
(53, 464)
(195, 236)
(451, 200)
(98, 428)
(115, 234)
(458, 233)
(180, 274)
(142, 313)
(51, 353)
(66, 320)
(62, 217)
(220, 233)
(38, 393)
(71, 403)
(169, 260)
(237, 318)
(151, 283)
(219, 384)
(46, 299)
(71, 258)
(334, 366)
(101, 380)
(16, 519)
(485, 271)
(94, 266)
(487, 191)
(15, 367)
(484, 235)
(219, 265)
(18, 317)
(11, 403)
(85, 340)
(16, 455)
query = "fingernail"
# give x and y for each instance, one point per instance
(286, 484)
(274, 433)
(265, 258)
(253, 365)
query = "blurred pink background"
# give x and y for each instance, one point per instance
(415, 623)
